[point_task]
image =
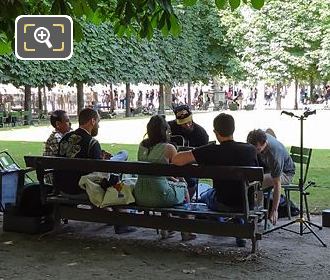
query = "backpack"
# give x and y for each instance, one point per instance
(30, 215)
(30, 203)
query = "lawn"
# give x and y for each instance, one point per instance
(319, 168)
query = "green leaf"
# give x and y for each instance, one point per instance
(175, 26)
(221, 3)
(56, 7)
(257, 4)
(161, 22)
(189, 2)
(5, 47)
(96, 18)
(165, 31)
(155, 19)
(166, 5)
(92, 4)
(77, 31)
(234, 4)
(121, 30)
(151, 5)
(120, 7)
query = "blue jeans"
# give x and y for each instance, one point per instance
(120, 156)
(209, 197)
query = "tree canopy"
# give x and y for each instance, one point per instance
(199, 52)
(128, 16)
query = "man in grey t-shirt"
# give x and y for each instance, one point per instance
(280, 167)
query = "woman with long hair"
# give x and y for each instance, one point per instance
(159, 191)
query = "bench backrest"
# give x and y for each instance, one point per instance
(244, 173)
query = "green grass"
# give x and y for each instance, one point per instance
(319, 167)
(19, 149)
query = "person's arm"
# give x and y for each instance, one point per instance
(273, 216)
(183, 158)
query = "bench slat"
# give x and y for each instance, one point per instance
(161, 222)
(146, 168)
(174, 210)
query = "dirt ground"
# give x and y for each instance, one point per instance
(92, 251)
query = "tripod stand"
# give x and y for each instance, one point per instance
(304, 224)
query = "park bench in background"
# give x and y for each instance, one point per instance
(205, 222)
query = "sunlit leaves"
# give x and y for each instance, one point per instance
(234, 4)
(257, 4)
(189, 2)
(221, 4)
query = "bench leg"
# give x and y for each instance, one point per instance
(267, 208)
(57, 224)
(255, 244)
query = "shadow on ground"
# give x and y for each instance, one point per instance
(88, 250)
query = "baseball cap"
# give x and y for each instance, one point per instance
(182, 114)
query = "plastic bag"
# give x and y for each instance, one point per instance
(120, 194)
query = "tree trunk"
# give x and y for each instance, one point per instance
(189, 94)
(80, 97)
(44, 103)
(112, 102)
(278, 96)
(161, 108)
(311, 88)
(128, 107)
(296, 94)
(168, 96)
(39, 102)
(27, 104)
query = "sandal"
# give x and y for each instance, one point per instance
(166, 233)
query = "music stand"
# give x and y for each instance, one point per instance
(301, 220)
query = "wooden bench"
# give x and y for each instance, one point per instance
(205, 222)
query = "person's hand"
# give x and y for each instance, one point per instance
(106, 155)
(181, 179)
(273, 216)
(173, 179)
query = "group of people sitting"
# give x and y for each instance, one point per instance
(261, 149)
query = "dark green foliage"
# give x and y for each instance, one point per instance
(137, 16)
(198, 52)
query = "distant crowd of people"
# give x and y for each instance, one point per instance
(319, 97)
(240, 99)
(65, 98)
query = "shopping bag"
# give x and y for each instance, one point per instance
(120, 194)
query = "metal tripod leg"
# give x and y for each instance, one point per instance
(303, 194)
(315, 225)
(312, 231)
(280, 227)
(301, 222)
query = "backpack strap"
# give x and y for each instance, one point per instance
(91, 144)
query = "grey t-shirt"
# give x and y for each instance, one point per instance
(276, 158)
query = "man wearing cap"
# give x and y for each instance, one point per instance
(193, 134)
